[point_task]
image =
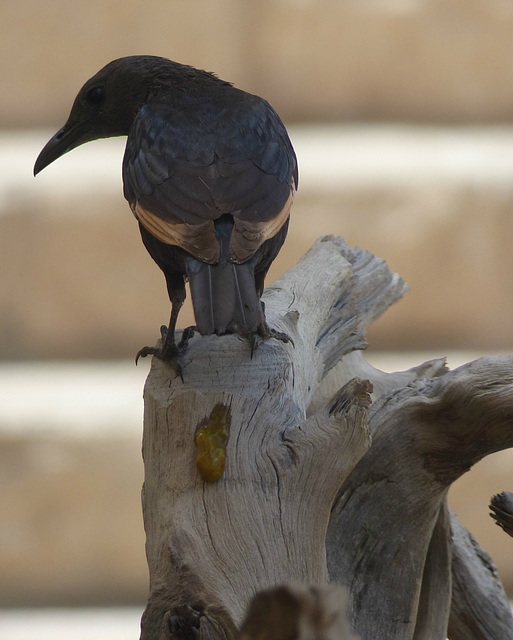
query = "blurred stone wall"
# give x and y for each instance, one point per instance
(416, 60)
(71, 531)
(437, 205)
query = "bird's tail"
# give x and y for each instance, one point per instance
(224, 295)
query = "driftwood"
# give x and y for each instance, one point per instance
(502, 511)
(288, 488)
(479, 609)
(391, 538)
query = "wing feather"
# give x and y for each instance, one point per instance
(182, 172)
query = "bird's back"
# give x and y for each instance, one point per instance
(211, 177)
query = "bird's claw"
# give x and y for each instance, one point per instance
(187, 334)
(166, 353)
(145, 351)
(170, 351)
(253, 343)
(264, 334)
(279, 335)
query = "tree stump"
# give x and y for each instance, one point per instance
(259, 472)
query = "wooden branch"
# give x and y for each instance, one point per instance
(217, 544)
(480, 609)
(259, 471)
(385, 526)
(212, 546)
(502, 511)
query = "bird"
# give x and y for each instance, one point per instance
(210, 174)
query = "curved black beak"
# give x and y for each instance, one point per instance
(66, 139)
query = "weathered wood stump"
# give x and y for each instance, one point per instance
(502, 511)
(288, 487)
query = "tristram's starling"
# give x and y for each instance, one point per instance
(210, 174)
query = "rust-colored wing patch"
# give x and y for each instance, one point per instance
(247, 236)
(198, 239)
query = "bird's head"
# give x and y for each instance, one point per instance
(106, 105)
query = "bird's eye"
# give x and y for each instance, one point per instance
(96, 95)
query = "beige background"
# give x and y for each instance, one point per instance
(416, 60)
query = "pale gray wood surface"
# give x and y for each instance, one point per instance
(384, 539)
(480, 609)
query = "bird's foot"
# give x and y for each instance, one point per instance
(187, 334)
(264, 333)
(170, 351)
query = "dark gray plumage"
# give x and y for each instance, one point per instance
(209, 172)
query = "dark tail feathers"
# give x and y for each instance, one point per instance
(224, 296)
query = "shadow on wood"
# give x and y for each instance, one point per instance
(302, 613)
(301, 495)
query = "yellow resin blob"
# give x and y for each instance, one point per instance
(211, 439)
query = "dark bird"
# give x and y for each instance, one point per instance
(209, 173)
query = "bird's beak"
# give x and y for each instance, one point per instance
(70, 136)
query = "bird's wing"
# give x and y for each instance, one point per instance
(180, 175)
